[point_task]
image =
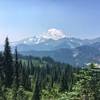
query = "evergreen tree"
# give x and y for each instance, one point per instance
(8, 64)
(21, 74)
(16, 69)
(37, 90)
(14, 90)
(66, 79)
(15, 84)
(63, 84)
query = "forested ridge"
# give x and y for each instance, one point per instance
(29, 78)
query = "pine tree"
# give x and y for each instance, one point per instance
(8, 64)
(14, 90)
(66, 79)
(37, 90)
(21, 74)
(63, 84)
(16, 72)
(15, 84)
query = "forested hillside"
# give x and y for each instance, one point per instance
(28, 78)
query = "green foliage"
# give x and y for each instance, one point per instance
(21, 94)
(2, 91)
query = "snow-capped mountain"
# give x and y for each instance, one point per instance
(53, 34)
(50, 40)
(56, 44)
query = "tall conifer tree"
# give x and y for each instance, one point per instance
(16, 68)
(8, 63)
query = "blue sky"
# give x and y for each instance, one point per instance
(23, 18)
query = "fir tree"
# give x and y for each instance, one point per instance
(16, 72)
(63, 84)
(8, 64)
(37, 90)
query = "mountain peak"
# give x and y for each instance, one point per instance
(54, 34)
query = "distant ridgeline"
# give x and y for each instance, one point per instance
(28, 78)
